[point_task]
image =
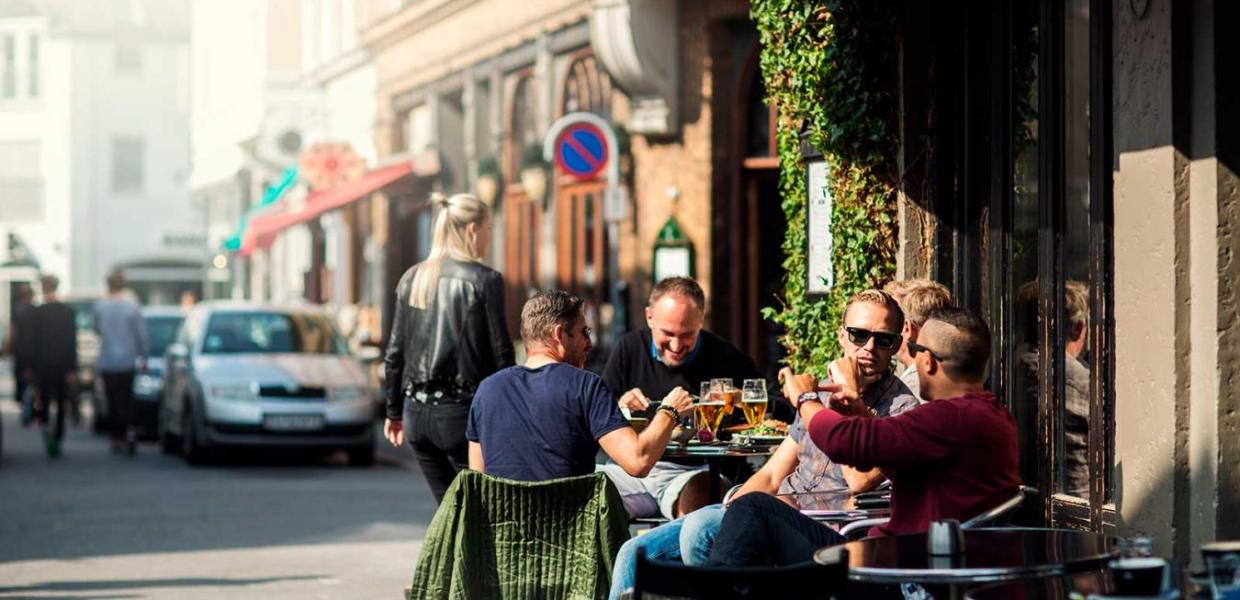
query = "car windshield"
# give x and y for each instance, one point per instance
(83, 312)
(271, 332)
(160, 332)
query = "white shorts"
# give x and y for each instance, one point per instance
(654, 494)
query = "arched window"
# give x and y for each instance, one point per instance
(521, 215)
(587, 88)
(522, 123)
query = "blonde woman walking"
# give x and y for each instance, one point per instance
(448, 334)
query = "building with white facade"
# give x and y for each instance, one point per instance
(94, 144)
(249, 119)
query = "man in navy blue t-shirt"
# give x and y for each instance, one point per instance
(548, 417)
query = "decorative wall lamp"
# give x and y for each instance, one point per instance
(488, 183)
(819, 269)
(534, 174)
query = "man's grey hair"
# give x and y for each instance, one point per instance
(544, 311)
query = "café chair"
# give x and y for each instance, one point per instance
(990, 518)
(662, 580)
(999, 513)
(858, 529)
(498, 538)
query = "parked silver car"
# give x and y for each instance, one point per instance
(249, 375)
(162, 325)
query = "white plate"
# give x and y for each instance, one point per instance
(767, 438)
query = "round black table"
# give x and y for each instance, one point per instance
(990, 555)
(1075, 585)
(714, 455)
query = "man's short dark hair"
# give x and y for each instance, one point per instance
(116, 281)
(966, 351)
(681, 287)
(544, 311)
(50, 283)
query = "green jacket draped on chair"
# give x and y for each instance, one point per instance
(498, 538)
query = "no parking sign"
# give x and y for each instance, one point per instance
(581, 150)
(581, 144)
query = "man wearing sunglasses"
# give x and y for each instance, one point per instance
(951, 458)
(799, 474)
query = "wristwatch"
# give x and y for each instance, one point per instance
(671, 411)
(806, 397)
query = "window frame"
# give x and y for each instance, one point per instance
(8, 68)
(976, 209)
(124, 68)
(140, 187)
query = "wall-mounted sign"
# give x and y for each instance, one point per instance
(820, 272)
(191, 240)
(327, 165)
(581, 150)
(673, 253)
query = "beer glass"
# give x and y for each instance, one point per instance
(708, 412)
(754, 400)
(731, 396)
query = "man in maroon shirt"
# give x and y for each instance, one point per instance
(951, 458)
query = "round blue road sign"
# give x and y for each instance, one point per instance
(581, 151)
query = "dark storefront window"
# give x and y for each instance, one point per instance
(1031, 126)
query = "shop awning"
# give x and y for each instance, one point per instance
(264, 229)
(270, 197)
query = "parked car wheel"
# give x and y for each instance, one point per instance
(169, 443)
(194, 451)
(362, 456)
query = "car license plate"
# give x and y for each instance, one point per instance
(293, 422)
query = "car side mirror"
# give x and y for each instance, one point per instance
(369, 353)
(178, 350)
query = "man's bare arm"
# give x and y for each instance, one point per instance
(778, 468)
(862, 481)
(635, 453)
(475, 457)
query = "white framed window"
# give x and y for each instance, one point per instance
(128, 58)
(128, 164)
(21, 181)
(32, 83)
(8, 74)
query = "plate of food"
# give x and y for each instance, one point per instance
(770, 431)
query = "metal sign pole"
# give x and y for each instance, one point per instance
(615, 207)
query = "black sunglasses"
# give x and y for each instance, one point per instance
(914, 348)
(882, 339)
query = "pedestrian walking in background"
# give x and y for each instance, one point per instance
(122, 354)
(448, 334)
(21, 346)
(55, 361)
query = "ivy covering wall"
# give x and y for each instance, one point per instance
(830, 68)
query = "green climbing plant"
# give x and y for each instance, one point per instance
(830, 70)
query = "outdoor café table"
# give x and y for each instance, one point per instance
(714, 455)
(1073, 586)
(989, 555)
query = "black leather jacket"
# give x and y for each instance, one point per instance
(452, 346)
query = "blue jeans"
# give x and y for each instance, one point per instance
(688, 538)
